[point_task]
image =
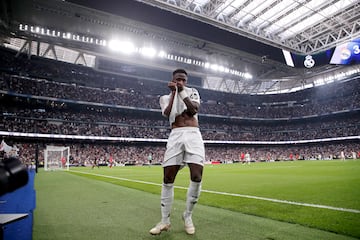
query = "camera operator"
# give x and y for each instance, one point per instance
(13, 175)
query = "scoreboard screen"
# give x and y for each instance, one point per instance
(345, 54)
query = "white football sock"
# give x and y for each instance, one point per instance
(167, 197)
(193, 194)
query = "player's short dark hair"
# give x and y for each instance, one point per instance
(179, 70)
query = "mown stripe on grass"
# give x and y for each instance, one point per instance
(232, 194)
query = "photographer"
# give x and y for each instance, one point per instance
(13, 174)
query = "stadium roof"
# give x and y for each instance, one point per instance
(301, 26)
(245, 35)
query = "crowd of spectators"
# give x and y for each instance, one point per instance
(52, 79)
(47, 96)
(346, 98)
(130, 125)
(84, 154)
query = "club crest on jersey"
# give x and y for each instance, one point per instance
(195, 96)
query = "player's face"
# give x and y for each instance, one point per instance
(180, 79)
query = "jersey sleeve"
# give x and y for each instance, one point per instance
(164, 101)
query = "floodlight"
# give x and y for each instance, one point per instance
(122, 46)
(148, 52)
(67, 35)
(114, 45)
(247, 76)
(214, 67)
(162, 54)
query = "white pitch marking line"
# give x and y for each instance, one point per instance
(234, 194)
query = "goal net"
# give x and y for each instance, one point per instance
(56, 158)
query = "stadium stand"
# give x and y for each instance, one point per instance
(43, 96)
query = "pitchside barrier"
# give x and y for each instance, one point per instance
(16, 211)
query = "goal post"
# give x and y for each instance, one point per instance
(56, 158)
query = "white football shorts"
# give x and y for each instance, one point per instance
(185, 145)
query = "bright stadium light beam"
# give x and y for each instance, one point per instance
(148, 52)
(248, 76)
(121, 46)
(114, 45)
(162, 54)
(214, 67)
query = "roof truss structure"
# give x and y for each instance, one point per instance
(300, 26)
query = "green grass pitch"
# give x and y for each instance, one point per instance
(278, 200)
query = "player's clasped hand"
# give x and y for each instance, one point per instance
(180, 87)
(172, 86)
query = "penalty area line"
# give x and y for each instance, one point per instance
(232, 194)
